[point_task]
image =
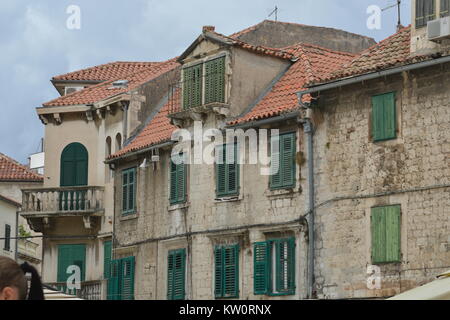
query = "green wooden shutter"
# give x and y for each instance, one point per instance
(107, 247)
(173, 182)
(378, 225)
(231, 271)
(288, 160)
(275, 166)
(220, 171)
(215, 80)
(393, 250)
(127, 281)
(384, 117)
(232, 174)
(181, 183)
(192, 86)
(72, 254)
(285, 266)
(176, 273)
(445, 6)
(114, 281)
(218, 272)
(261, 267)
(7, 246)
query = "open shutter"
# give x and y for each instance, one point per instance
(285, 266)
(220, 171)
(179, 275)
(114, 281)
(173, 182)
(192, 86)
(170, 274)
(377, 118)
(7, 246)
(378, 225)
(127, 281)
(107, 246)
(218, 272)
(215, 80)
(261, 268)
(389, 118)
(231, 271)
(393, 252)
(288, 160)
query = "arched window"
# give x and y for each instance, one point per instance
(118, 142)
(108, 147)
(74, 165)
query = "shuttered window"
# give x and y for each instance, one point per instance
(7, 245)
(129, 191)
(227, 170)
(107, 247)
(127, 281)
(445, 6)
(425, 11)
(215, 80)
(192, 86)
(384, 117)
(283, 150)
(177, 181)
(274, 267)
(226, 271)
(71, 255)
(176, 274)
(385, 224)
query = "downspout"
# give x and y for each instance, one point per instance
(308, 129)
(17, 236)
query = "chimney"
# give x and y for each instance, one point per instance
(208, 29)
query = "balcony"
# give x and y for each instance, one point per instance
(28, 250)
(40, 205)
(90, 290)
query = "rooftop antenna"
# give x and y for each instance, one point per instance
(274, 12)
(398, 5)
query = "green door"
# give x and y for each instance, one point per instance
(74, 172)
(68, 255)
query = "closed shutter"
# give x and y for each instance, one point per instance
(215, 80)
(385, 227)
(378, 225)
(220, 171)
(7, 246)
(284, 160)
(127, 281)
(231, 271)
(227, 171)
(218, 272)
(181, 182)
(114, 281)
(261, 267)
(107, 246)
(176, 274)
(275, 166)
(384, 117)
(232, 170)
(69, 255)
(285, 266)
(445, 6)
(192, 86)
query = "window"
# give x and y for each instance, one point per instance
(129, 191)
(385, 224)
(176, 273)
(7, 246)
(227, 170)
(274, 267)
(283, 161)
(70, 255)
(121, 282)
(425, 11)
(226, 275)
(384, 117)
(178, 181)
(445, 6)
(212, 73)
(107, 249)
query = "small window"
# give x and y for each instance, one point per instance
(283, 152)
(129, 191)
(7, 246)
(384, 117)
(226, 273)
(445, 7)
(274, 267)
(385, 224)
(178, 180)
(227, 171)
(425, 11)
(176, 274)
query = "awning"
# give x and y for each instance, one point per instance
(436, 290)
(58, 295)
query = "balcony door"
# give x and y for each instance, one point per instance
(74, 173)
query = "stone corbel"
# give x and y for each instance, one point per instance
(88, 222)
(100, 113)
(89, 115)
(57, 118)
(46, 223)
(224, 111)
(196, 116)
(111, 110)
(177, 122)
(43, 119)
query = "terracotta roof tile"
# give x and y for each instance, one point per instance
(313, 62)
(11, 170)
(104, 72)
(104, 90)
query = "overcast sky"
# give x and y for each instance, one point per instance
(35, 43)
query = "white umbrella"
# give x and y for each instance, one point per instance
(436, 290)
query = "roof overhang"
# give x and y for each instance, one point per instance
(204, 36)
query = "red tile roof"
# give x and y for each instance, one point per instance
(158, 130)
(394, 51)
(104, 90)
(11, 170)
(313, 62)
(104, 72)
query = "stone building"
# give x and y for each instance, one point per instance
(201, 231)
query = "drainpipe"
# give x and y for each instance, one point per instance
(308, 129)
(16, 255)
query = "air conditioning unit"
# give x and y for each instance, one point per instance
(438, 29)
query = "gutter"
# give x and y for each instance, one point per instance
(257, 123)
(130, 154)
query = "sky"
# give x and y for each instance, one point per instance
(36, 44)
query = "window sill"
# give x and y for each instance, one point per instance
(386, 263)
(228, 199)
(128, 217)
(282, 193)
(178, 206)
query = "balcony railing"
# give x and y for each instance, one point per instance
(63, 200)
(90, 290)
(28, 248)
